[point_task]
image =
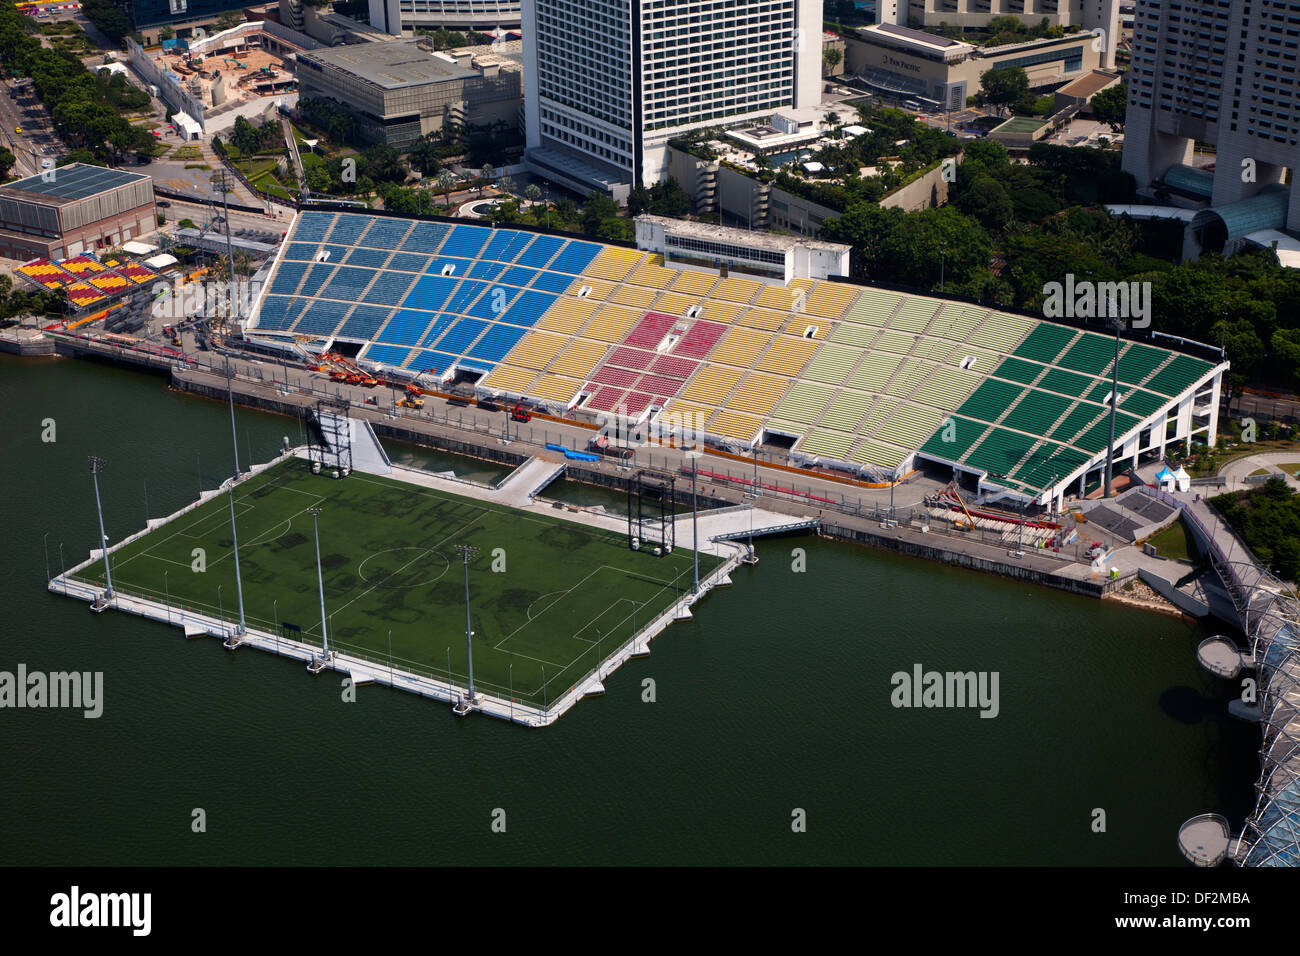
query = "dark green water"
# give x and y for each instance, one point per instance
(775, 696)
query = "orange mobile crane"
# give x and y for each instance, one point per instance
(952, 491)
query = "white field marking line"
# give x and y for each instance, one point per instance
(531, 619)
(592, 623)
(244, 547)
(424, 552)
(148, 552)
(184, 531)
(178, 533)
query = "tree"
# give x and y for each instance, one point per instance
(423, 155)
(1110, 106)
(383, 164)
(832, 56)
(1004, 85)
(487, 173)
(245, 137)
(985, 199)
(7, 161)
(444, 182)
(229, 20)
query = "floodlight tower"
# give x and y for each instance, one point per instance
(693, 453)
(232, 641)
(319, 664)
(96, 463)
(1114, 400)
(468, 553)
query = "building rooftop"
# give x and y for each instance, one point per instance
(916, 41)
(73, 182)
(757, 240)
(392, 65)
(1088, 84)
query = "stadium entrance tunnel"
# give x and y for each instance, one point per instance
(777, 441)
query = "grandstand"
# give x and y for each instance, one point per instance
(860, 379)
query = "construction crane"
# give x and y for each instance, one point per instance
(952, 491)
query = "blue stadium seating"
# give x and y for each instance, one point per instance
(540, 251)
(347, 284)
(301, 250)
(459, 267)
(288, 276)
(496, 342)
(337, 253)
(504, 245)
(430, 292)
(274, 312)
(371, 258)
(575, 257)
(429, 360)
(389, 288)
(461, 335)
(350, 227)
(466, 241)
(425, 237)
(312, 226)
(317, 275)
(322, 317)
(388, 354)
(493, 303)
(528, 308)
(466, 292)
(385, 233)
(405, 327)
(552, 281)
(518, 243)
(365, 321)
(518, 275)
(408, 262)
(440, 325)
(485, 270)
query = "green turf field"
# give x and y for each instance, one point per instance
(387, 553)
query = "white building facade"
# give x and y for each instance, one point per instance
(611, 81)
(1224, 73)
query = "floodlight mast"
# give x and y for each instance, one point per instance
(468, 553)
(320, 580)
(96, 463)
(234, 534)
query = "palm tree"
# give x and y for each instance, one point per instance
(488, 172)
(533, 192)
(444, 182)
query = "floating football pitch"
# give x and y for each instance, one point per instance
(542, 604)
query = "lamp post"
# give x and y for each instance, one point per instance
(468, 553)
(167, 596)
(96, 463)
(320, 581)
(1114, 400)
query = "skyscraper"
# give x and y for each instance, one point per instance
(1222, 72)
(609, 82)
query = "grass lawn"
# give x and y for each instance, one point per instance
(1172, 541)
(387, 552)
(1260, 471)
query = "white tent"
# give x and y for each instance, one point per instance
(187, 126)
(159, 263)
(137, 248)
(1176, 480)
